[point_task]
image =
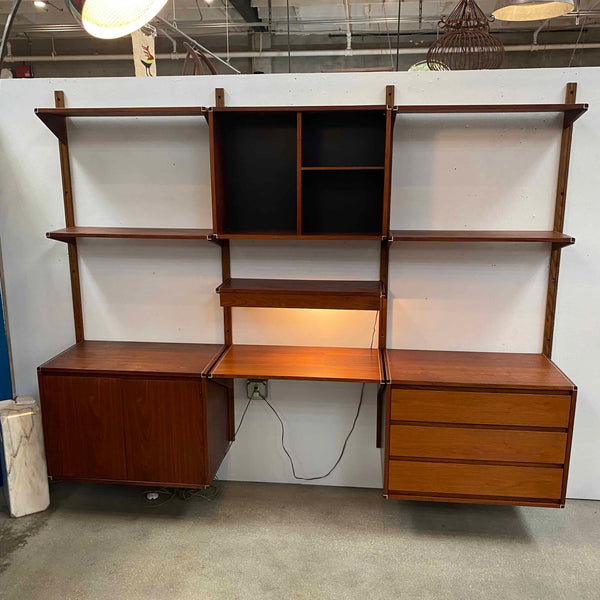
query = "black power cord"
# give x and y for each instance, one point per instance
(337, 462)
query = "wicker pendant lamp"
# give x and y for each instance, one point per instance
(466, 43)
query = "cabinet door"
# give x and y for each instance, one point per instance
(164, 431)
(83, 426)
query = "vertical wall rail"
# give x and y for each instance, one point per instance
(299, 173)
(216, 176)
(65, 170)
(559, 220)
(387, 192)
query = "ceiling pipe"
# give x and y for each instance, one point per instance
(348, 26)
(283, 53)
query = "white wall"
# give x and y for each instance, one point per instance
(473, 172)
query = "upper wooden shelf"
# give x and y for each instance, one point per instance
(363, 107)
(139, 358)
(294, 236)
(300, 362)
(572, 111)
(291, 293)
(343, 168)
(54, 118)
(475, 369)
(553, 237)
(68, 234)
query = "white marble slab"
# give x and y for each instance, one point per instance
(24, 461)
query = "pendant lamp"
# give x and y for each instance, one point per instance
(531, 10)
(466, 43)
(110, 19)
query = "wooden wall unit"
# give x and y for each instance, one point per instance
(452, 426)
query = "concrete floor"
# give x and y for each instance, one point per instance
(268, 541)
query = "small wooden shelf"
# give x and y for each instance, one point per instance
(343, 168)
(134, 358)
(290, 293)
(491, 370)
(293, 236)
(54, 118)
(553, 237)
(572, 111)
(68, 234)
(300, 362)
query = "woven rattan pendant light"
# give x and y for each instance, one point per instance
(466, 43)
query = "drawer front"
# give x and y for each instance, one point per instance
(478, 444)
(475, 480)
(481, 408)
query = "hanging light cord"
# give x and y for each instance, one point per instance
(398, 36)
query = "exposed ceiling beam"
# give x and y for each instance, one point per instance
(248, 13)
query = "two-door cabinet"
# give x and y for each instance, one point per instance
(135, 413)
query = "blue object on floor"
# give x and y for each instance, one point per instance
(6, 392)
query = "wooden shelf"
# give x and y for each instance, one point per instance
(68, 234)
(300, 362)
(290, 293)
(134, 358)
(343, 168)
(572, 111)
(54, 118)
(293, 236)
(475, 369)
(553, 237)
(329, 109)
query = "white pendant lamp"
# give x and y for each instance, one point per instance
(111, 19)
(531, 10)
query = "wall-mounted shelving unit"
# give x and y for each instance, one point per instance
(452, 426)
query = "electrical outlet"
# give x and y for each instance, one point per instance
(258, 385)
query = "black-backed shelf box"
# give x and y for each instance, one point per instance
(343, 139)
(256, 153)
(342, 202)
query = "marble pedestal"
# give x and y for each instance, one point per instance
(23, 461)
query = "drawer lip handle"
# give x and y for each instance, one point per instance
(477, 426)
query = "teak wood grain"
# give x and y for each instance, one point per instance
(126, 358)
(423, 477)
(67, 187)
(151, 233)
(572, 111)
(481, 408)
(478, 444)
(299, 362)
(559, 219)
(554, 237)
(218, 424)
(291, 293)
(499, 370)
(164, 430)
(83, 427)
(305, 237)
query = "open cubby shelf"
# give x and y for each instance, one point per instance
(342, 202)
(343, 139)
(452, 426)
(297, 173)
(301, 293)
